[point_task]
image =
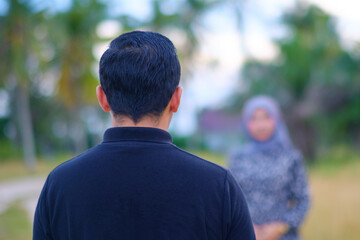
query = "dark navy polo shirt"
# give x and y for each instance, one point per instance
(137, 185)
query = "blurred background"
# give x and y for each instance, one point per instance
(305, 54)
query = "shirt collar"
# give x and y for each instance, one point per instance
(139, 134)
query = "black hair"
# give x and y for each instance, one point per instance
(139, 73)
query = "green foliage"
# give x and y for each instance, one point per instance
(8, 150)
(309, 55)
(314, 78)
(180, 142)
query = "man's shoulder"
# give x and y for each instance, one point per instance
(198, 162)
(73, 164)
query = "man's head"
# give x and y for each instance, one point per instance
(139, 74)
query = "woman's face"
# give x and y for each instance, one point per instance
(261, 126)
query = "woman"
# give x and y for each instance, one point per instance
(270, 172)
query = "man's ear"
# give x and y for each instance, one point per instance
(102, 99)
(175, 99)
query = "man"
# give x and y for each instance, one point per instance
(136, 184)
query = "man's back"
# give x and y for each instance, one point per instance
(137, 185)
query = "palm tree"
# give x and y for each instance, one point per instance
(74, 38)
(16, 51)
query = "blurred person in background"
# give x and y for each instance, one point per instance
(270, 171)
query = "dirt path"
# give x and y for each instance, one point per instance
(26, 191)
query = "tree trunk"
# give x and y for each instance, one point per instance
(303, 134)
(77, 131)
(25, 127)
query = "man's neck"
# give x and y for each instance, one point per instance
(122, 121)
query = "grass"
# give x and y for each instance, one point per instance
(334, 214)
(335, 211)
(14, 169)
(337, 159)
(14, 224)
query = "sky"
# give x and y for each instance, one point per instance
(221, 42)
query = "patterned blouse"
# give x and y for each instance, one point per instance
(275, 186)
